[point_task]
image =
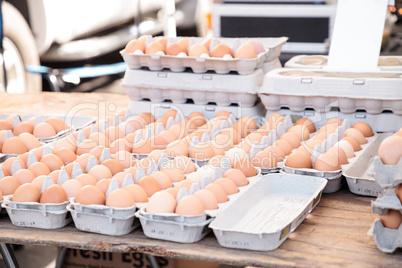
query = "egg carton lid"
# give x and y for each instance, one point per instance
(385, 201)
(359, 173)
(310, 82)
(102, 209)
(387, 240)
(274, 206)
(385, 63)
(48, 207)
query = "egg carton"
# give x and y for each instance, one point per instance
(179, 63)
(202, 89)
(37, 215)
(275, 206)
(385, 201)
(385, 63)
(322, 91)
(360, 173)
(387, 175)
(103, 210)
(387, 240)
(4, 157)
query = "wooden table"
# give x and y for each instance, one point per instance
(334, 234)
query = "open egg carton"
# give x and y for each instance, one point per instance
(373, 98)
(102, 219)
(385, 63)
(188, 229)
(204, 63)
(264, 216)
(37, 215)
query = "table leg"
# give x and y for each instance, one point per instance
(8, 256)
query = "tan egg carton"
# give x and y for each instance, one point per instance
(275, 206)
(204, 63)
(102, 219)
(385, 63)
(37, 215)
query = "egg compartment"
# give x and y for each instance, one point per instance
(202, 89)
(37, 215)
(360, 173)
(385, 201)
(274, 207)
(174, 231)
(386, 239)
(174, 217)
(102, 209)
(179, 63)
(4, 157)
(103, 224)
(385, 63)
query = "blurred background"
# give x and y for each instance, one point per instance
(62, 34)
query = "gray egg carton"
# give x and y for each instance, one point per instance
(385, 201)
(387, 240)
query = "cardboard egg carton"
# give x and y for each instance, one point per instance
(275, 206)
(387, 240)
(385, 63)
(204, 63)
(385, 201)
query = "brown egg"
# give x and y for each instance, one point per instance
(228, 185)
(38, 181)
(218, 191)
(120, 177)
(90, 195)
(52, 161)
(307, 123)
(174, 173)
(184, 164)
(66, 155)
(149, 184)
(334, 121)
(257, 45)
(65, 142)
(155, 155)
(327, 162)
(54, 194)
(69, 168)
(309, 146)
(4, 125)
(390, 150)
(236, 176)
(14, 145)
(134, 45)
(340, 153)
(301, 131)
(126, 159)
(184, 43)
(207, 199)
(202, 150)
(185, 184)
(284, 145)
(163, 179)
(356, 134)
(100, 139)
(23, 127)
(138, 192)
(292, 138)
(54, 175)
(39, 168)
(100, 172)
(97, 151)
(398, 191)
(221, 50)
(27, 192)
(113, 165)
(83, 160)
(189, 205)
(38, 152)
(71, 187)
(1, 196)
(364, 128)
(5, 171)
(277, 152)
(162, 40)
(103, 185)
(197, 50)
(8, 185)
(86, 179)
(177, 148)
(143, 147)
(274, 119)
(327, 129)
(161, 202)
(355, 143)
(154, 47)
(392, 220)
(57, 123)
(86, 146)
(9, 163)
(246, 51)
(173, 191)
(174, 49)
(265, 159)
(24, 176)
(299, 159)
(207, 42)
(246, 167)
(120, 198)
(44, 130)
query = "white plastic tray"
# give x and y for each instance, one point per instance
(264, 216)
(385, 63)
(157, 62)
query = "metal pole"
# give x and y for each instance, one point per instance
(8, 256)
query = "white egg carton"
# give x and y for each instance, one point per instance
(202, 89)
(385, 201)
(274, 207)
(159, 61)
(37, 215)
(322, 91)
(360, 173)
(385, 63)
(103, 210)
(387, 240)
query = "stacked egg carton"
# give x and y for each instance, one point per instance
(201, 80)
(311, 91)
(387, 231)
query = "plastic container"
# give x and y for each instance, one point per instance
(264, 216)
(202, 89)
(157, 62)
(385, 63)
(37, 215)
